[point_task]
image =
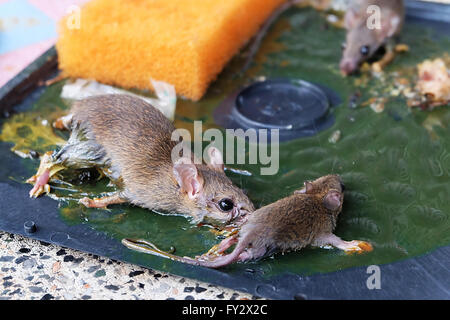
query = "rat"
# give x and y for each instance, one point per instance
(363, 40)
(307, 217)
(129, 141)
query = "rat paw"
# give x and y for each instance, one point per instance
(58, 124)
(39, 189)
(31, 180)
(401, 47)
(40, 184)
(207, 257)
(357, 246)
(92, 203)
(47, 169)
(365, 246)
(85, 201)
(63, 123)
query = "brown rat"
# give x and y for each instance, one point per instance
(307, 217)
(361, 41)
(130, 142)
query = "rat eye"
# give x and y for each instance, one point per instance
(365, 50)
(226, 205)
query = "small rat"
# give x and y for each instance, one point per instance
(307, 217)
(129, 141)
(364, 39)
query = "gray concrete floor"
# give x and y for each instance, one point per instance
(31, 270)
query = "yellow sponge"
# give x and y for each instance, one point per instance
(183, 42)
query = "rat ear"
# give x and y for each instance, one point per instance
(394, 23)
(389, 26)
(215, 159)
(188, 178)
(332, 200)
(307, 188)
(350, 19)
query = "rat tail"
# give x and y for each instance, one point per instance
(149, 248)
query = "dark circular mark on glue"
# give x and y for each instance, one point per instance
(264, 289)
(59, 237)
(296, 108)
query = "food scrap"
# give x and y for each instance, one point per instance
(378, 105)
(434, 83)
(335, 137)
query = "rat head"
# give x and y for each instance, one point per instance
(329, 189)
(208, 193)
(362, 42)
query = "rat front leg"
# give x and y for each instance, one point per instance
(47, 168)
(103, 202)
(392, 50)
(222, 246)
(348, 246)
(76, 153)
(388, 57)
(226, 231)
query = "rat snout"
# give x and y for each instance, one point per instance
(348, 66)
(234, 214)
(240, 214)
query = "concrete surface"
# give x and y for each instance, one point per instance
(33, 270)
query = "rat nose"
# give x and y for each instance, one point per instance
(235, 214)
(241, 214)
(347, 66)
(242, 211)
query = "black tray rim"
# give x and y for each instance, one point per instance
(421, 283)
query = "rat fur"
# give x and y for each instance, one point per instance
(130, 142)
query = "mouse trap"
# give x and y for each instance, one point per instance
(395, 171)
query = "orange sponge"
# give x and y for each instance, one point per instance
(183, 42)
